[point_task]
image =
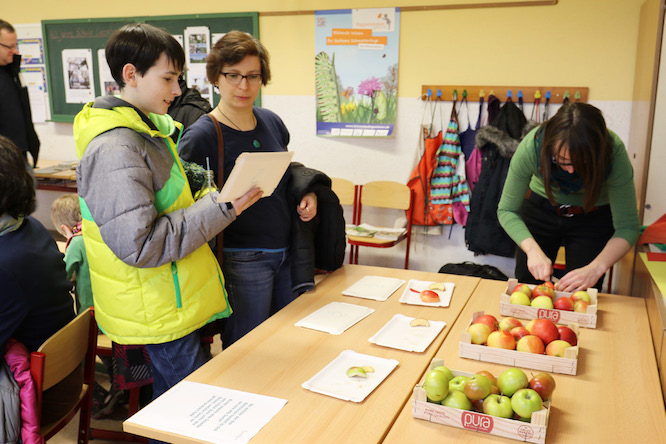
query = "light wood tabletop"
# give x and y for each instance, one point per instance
(614, 398)
(277, 357)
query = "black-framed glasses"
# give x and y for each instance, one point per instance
(11, 48)
(235, 79)
(557, 162)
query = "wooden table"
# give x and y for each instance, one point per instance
(49, 179)
(277, 357)
(615, 398)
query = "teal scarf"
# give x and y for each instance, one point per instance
(9, 224)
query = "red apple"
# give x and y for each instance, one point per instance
(477, 387)
(564, 303)
(490, 376)
(519, 332)
(567, 334)
(546, 330)
(530, 344)
(429, 296)
(501, 339)
(489, 320)
(543, 290)
(479, 333)
(580, 306)
(581, 295)
(524, 288)
(507, 324)
(557, 347)
(544, 384)
(549, 284)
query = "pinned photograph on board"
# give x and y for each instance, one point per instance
(77, 75)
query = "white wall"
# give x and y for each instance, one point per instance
(360, 161)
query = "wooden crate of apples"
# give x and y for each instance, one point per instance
(527, 301)
(539, 344)
(514, 405)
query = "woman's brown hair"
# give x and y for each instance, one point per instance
(581, 128)
(17, 186)
(231, 49)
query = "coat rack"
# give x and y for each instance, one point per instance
(529, 93)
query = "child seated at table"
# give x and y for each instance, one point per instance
(66, 217)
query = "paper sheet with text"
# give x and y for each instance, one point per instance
(209, 413)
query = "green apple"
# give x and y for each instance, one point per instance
(457, 383)
(581, 295)
(519, 298)
(445, 370)
(498, 405)
(436, 385)
(542, 302)
(457, 400)
(512, 380)
(477, 387)
(525, 402)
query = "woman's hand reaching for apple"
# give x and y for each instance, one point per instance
(247, 199)
(581, 278)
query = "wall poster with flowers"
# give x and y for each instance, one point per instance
(356, 71)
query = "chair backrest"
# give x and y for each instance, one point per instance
(345, 190)
(386, 194)
(59, 356)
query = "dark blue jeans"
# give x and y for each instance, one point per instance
(258, 284)
(173, 361)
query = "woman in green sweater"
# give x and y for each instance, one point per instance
(570, 183)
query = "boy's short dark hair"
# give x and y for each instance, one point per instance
(17, 187)
(141, 45)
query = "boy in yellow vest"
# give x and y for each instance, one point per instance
(154, 279)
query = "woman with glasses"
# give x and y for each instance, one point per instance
(257, 264)
(570, 183)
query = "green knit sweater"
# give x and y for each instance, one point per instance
(618, 191)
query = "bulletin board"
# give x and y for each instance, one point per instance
(92, 34)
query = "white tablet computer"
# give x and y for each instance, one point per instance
(263, 170)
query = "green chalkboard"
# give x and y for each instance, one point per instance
(92, 35)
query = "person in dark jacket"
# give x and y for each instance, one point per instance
(189, 106)
(15, 116)
(34, 298)
(497, 141)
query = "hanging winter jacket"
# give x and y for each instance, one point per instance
(419, 182)
(498, 141)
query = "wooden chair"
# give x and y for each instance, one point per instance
(59, 356)
(347, 193)
(382, 194)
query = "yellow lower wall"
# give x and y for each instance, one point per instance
(573, 43)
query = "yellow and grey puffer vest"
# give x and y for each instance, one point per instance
(148, 305)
